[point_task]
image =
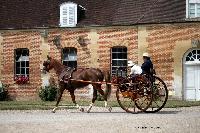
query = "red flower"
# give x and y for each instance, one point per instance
(21, 79)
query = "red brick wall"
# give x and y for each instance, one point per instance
(68, 38)
(161, 44)
(12, 41)
(111, 37)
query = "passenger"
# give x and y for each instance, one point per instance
(135, 69)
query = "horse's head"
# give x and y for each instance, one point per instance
(47, 65)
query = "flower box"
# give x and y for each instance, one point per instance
(21, 79)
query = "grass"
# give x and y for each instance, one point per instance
(179, 103)
(41, 105)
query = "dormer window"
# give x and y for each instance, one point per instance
(193, 8)
(70, 14)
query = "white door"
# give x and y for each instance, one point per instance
(192, 75)
(192, 82)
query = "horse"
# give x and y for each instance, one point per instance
(94, 75)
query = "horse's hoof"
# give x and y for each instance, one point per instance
(82, 109)
(109, 109)
(53, 111)
(88, 111)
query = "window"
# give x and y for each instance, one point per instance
(69, 57)
(71, 14)
(194, 55)
(193, 8)
(21, 62)
(119, 60)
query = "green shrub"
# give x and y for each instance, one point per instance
(3, 92)
(48, 93)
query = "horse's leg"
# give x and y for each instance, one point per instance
(93, 99)
(105, 99)
(60, 92)
(74, 100)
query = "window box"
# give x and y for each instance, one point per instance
(21, 79)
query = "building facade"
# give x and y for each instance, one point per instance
(91, 36)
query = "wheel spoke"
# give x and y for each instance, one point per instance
(160, 95)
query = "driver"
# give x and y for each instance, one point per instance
(147, 65)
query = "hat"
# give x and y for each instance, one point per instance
(145, 54)
(130, 63)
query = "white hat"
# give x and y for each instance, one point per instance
(130, 63)
(146, 54)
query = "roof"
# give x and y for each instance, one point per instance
(45, 13)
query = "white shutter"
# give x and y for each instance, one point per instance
(68, 15)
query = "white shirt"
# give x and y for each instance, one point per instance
(136, 70)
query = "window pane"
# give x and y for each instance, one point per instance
(22, 70)
(23, 64)
(187, 59)
(123, 63)
(115, 63)
(69, 54)
(27, 64)
(17, 70)
(114, 49)
(27, 70)
(122, 56)
(65, 63)
(198, 10)
(124, 50)
(17, 64)
(72, 64)
(194, 52)
(114, 56)
(192, 6)
(65, 57)
(192, 10)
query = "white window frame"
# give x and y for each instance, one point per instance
(188, 2)
(21, 59)
(69, 17)
(113, 71)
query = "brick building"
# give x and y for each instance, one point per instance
(103, 34)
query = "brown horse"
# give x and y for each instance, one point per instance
(72, 82)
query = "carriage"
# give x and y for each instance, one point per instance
(138, 93)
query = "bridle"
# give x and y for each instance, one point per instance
(46, 65)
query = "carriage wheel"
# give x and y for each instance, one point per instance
(160, 96)
(130, 104)
(145, 100)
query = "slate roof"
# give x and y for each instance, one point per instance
(22, 14)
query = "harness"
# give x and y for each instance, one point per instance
(66, 74)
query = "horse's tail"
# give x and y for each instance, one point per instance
(108, 86)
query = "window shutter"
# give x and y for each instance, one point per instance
(68, 15)
(64, 16)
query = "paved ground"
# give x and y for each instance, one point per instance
(180, 120)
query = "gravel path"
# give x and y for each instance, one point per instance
(179, 120)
